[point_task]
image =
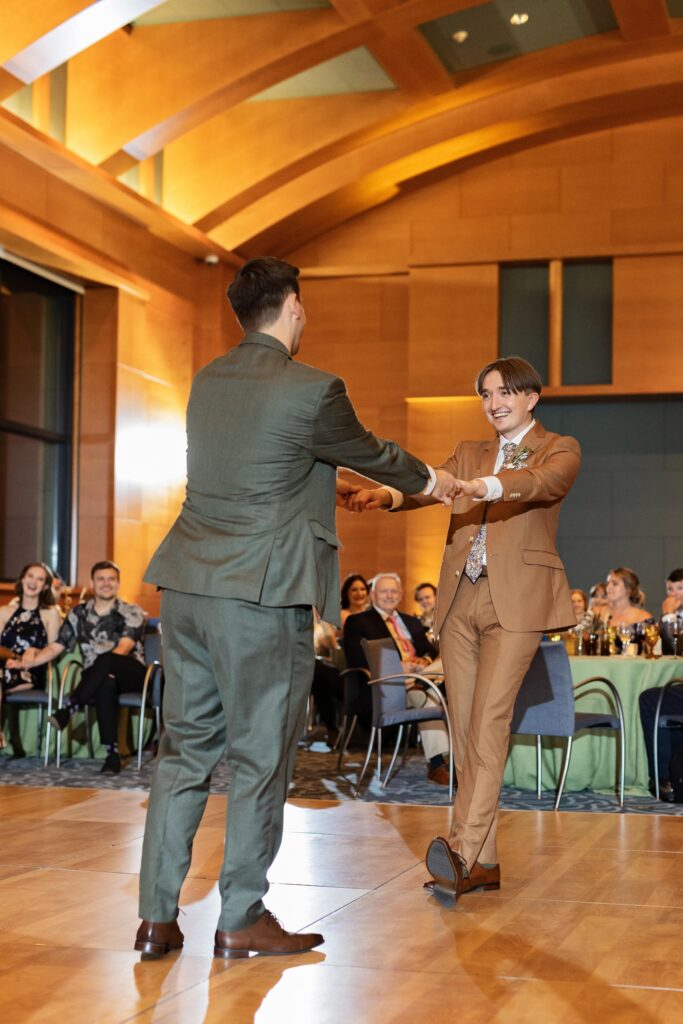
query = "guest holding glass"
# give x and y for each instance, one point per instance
(355, 596)
(30, 620)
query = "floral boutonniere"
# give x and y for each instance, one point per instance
(518, 460)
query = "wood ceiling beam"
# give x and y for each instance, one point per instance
(57, 160)
(140, 90)
(24, 21)
(456, 127)
(642, 19)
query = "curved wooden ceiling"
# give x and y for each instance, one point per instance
(246, 132)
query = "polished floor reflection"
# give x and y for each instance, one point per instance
(586, 927)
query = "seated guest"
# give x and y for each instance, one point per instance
(30, 620)
(672, 613)
(625, 599)
(327, 688)
(109, 634)
(668, 740)
(354, 596)
(62, 597)
(597, 597)
(382, 621)
(579, 603)
(425, 597)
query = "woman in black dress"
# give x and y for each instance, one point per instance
(29, 620)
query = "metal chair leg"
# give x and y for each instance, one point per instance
(384, 784)
(368, 755)
(341, 733)
(565, 769)
(539, 768)
(141, 724)
(379, 756)
(343, 747)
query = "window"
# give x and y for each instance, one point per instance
(37, 326)
(524, 313)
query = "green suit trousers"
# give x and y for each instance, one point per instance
(237, 680)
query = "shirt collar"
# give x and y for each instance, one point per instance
(517, 439)
(385, 615)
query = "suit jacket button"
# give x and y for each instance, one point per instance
(457, 572)
(470, 540)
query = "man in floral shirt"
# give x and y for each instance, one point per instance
(109, 634)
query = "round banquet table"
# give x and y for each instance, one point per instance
(593, 763)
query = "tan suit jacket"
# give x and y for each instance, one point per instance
(528, 585)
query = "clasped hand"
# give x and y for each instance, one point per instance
(446, 489)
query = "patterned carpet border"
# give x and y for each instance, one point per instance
(316, 778)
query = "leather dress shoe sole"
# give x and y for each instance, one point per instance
(446, 868)
(238, 954)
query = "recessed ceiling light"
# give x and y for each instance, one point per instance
(519, 19)
(460, 36)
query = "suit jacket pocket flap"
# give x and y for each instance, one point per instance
(543, 558)
(323, 533)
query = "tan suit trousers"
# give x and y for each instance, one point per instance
(484, 666)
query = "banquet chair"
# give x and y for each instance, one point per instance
(664, 721)
(545, 706)
(355, 680)
(41, 701)
(387, 682)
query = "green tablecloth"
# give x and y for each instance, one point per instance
(593, 763)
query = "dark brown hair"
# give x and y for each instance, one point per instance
(259, 290)
(46, 598)
(518, 375)
(105, 565)
(346, 586)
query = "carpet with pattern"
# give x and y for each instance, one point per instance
(316, 778)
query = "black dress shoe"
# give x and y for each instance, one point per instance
(60, 718)
(112, 763)
(17, 752)
(666, 791)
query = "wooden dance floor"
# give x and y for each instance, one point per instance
(587, 927)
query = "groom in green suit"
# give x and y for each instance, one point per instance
(253, 549)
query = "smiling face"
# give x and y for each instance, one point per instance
(426, 598)
(386, 594)
(508, 412)
(33, 581)
(358, 594)
(674, 588)
(579, 604)
(105, 584)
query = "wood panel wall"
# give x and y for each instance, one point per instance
(613, 193)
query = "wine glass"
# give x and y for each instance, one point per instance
(651, 632)
(625, 634)
(675, 631)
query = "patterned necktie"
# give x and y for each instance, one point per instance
(475, 559)
(405, 647)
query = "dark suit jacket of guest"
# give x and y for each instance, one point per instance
(371, 626)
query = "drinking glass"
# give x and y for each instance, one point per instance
(651, 632)
(675, 630)
(625, 634)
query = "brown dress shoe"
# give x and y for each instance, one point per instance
(447, 868)
(265, 936)
(157, 939)
(480, 877)
(440, 775)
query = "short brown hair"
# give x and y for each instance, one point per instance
(259, 290)
(518, 375)
(105, 565)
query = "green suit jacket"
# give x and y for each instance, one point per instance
(265, 436)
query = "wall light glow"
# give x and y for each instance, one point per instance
(151, 454)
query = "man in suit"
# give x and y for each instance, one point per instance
(502, 586)
(254, 548)
(384, 621)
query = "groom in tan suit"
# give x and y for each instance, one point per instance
(502, 586)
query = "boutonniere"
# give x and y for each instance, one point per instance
(518, 460)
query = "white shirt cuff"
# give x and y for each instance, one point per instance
(396, 498)
(494, 488)
(431, 484)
